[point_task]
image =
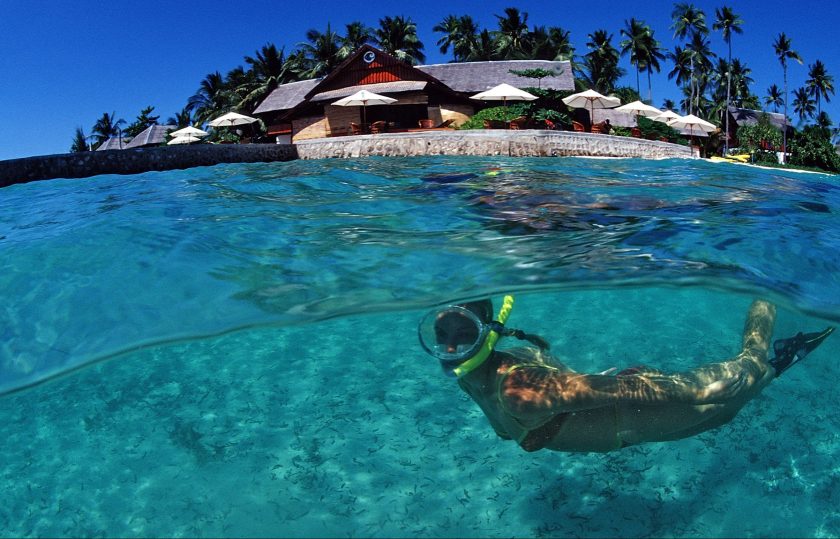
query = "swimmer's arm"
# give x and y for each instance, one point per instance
(539, 392)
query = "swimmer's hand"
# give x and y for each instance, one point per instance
(721, 390)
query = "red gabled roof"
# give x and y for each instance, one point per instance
(369, 65)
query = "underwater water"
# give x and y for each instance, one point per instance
(252, 364)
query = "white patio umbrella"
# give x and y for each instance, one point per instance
(666, 116)
(184, 139)
(638, 108)
(189, 130)
(593, 100)
(231, 119)
(363, 98)
(692, 123)
(504, 93)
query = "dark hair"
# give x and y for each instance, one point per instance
(482, 308)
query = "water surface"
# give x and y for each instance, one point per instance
(260, 375)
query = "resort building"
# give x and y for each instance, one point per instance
(427, 96)
(740, 117)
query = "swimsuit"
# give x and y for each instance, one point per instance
(537, 438)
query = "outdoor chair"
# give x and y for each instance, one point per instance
(577, 126)
(520, 122)
(602, 127)
(355, 129)
(379, 127)
(636, 132)
(426, 123)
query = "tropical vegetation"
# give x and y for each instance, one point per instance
(710, 81)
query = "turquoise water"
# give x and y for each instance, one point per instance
(250, 332)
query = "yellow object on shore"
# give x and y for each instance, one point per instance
(742, 158)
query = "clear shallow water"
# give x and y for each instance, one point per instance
(325, 419)
(104, 265)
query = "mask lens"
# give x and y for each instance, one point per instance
(453, 334)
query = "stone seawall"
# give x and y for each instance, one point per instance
(137, 160)
(526, 143)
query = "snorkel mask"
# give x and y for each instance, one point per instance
(461, 341)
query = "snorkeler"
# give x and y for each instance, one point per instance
(529, 396)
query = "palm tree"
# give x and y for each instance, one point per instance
(824, 121)
(398, 37)
(79, 142)
(106, 127)
(551, 43)
(539, 45)
(321, 52)
(212, 98)
(357, 35)
(740, 81)
(820, 83)
(634, 32)
(688, 22)
(183, 118)
(600, 68)
(682, 66)
(654, 53)
(269, 69)
(727, 22)
(803, 103)
(512, 35)
(459, 33)
(561, 42)
(783, 51)
(484, 48)
(774, 97)
(669, 104)
(144, 120)
(702, 57)
(450, 27)
(238, 84)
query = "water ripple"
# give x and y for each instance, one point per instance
(100, 266)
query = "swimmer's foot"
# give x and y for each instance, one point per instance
(791, 351)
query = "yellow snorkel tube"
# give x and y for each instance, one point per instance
(489, 342)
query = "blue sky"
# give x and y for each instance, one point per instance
(65, 63)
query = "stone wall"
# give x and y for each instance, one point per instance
(525, 143)
(137, 160)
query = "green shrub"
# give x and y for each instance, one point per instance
(504, 114)
(652, 129)
(753, 138)
(812, 148)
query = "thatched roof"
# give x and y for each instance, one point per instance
(750, 117)
(113, 143)
(286, 96)
(463, 77)
(377, 88)
(474, 77)
(151, 136)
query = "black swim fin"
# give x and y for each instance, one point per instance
(791, 351)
